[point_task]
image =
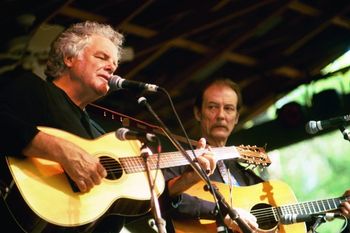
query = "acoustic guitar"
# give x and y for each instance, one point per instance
(48, 192)
(267, 201)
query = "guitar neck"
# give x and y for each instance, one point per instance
(312, 207)
(173, 159)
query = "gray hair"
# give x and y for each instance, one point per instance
(73, 40)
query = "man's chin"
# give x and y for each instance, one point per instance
(102, 90)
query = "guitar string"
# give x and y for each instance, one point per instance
(174, 158)
(263, 215)
(136, 163)
(109, 163)
(302, 207)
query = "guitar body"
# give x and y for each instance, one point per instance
(48, 192)
(262, 195)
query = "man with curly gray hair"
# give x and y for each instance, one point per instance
(73, 41)
(81, 61)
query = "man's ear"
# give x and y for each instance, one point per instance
(68, 61)
(237, 119)
(197, 113)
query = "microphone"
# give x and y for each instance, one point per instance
(125, 134)
(116, 83)
(294, 218)
(313, 127)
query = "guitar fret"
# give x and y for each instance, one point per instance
(329, 206)
(309, 211)
(284, 210)
(172, 159)
(302, 209)
(132, 164)
(334, 203)
(124, 164)
(131, 167)
(324, 207)
(306, 208)
(317, 207)
(313, 207)
(297, 209)
(275, 213)
(139, 164)
(325, 204)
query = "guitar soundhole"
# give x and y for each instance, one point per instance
(264, 215)
(112, 166)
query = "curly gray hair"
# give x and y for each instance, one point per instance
(73, 40)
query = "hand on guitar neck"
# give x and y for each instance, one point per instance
(345, 206)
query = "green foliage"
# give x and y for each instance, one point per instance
(315, 169)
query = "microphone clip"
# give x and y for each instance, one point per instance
(126, 134)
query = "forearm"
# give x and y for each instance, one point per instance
(180, 184)
(191, 207)
(49, 147)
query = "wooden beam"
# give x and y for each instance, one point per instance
(82, 14)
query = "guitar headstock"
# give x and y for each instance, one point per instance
(253, 155)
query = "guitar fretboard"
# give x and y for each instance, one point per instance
(272, 214)
(173, 159)
(312, 207)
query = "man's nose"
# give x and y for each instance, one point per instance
(110, 67)
(221, 112)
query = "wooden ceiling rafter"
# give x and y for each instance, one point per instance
(178, 42)
(326, 21)
(184, 29)
(217, 55)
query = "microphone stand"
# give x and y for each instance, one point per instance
(319, 220)
(345, 132)
(224, 206)
(160, 222)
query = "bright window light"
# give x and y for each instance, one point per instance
(342, 62)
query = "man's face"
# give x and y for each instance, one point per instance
(93, 67)
(218, 115)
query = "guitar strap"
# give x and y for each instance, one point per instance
(226, 174)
